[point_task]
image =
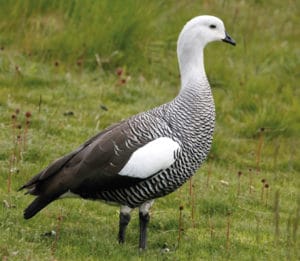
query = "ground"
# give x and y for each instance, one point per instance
(78, 67)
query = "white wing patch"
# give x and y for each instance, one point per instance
(154, 156)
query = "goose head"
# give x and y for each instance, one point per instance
(195, 35)
(203, 30)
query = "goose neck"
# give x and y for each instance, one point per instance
(192, 71)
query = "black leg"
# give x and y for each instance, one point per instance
(144, 220)
(124, 221)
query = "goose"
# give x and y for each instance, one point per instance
(148, 155)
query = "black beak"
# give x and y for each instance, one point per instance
(228, 39)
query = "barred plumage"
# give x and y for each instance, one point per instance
(148, 155)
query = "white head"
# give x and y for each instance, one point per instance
(202, 30)
(194, 36)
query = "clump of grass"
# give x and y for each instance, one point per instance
(16, 148)
(120, 40)
(19, 143)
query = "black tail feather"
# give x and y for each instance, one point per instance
(38, 204)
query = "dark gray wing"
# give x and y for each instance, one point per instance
(58, 164)
(94, 166)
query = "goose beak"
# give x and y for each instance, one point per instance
(228, 39)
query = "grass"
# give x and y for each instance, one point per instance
(58, 61)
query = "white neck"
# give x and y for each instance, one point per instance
(191, 62)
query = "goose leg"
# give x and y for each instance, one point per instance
(123, 222)
(144, 220)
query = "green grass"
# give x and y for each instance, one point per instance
(48, 66)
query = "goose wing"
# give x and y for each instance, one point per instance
(117, 157)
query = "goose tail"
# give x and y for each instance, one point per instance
(36, 205)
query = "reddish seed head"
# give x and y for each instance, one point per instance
(239, 173)
(28, 114)
(17, 111)
(250, 169)
(27, 122)
(18, 137)
(79, 62)
(181, 208)
(56, 63)
(19, 126)
(266, 185)
(13, 116)
(263, 180)
(123, 81)
(119, 71)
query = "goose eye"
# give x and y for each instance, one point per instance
(212, 26)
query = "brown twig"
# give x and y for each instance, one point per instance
(250, 180)
(228, 232)
(263, 181)
(192, 200)
(58, 228)
(193, 206)
(12, 158)
(180, 224)
(191, 187)
(276, 216)
(239, 183)
(209, 170)
(9, 180)
(19, 143)
(257, 228)
(40, 103)
(259, 147)
(267, 192)
(27, 123)
(211, 228)
(296, 222)
(14, 120)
